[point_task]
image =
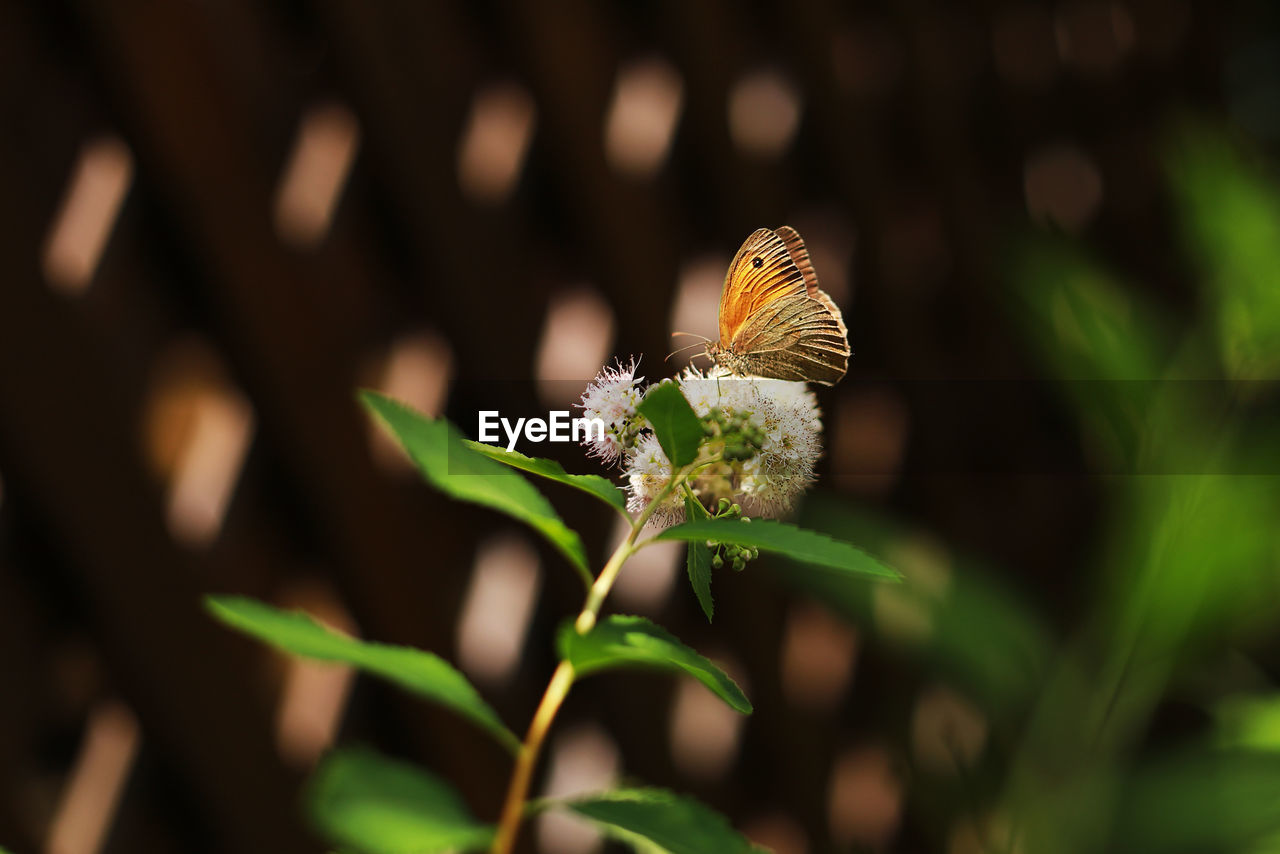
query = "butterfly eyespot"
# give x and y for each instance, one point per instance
(757, 263)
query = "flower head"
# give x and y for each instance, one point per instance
(612, 398)
(648, 474)
(767, 432)
(762, 440)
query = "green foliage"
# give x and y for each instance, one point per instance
(591, 484)
(448, 464)
(365, 802)
(1187, 561)
(621, 642)
(1200, 800)
(1108, 346)
(677, 426)
(1249, 722)
(1230, 212)
(698, 560)
(1193, 561)
(782, 538)
(660, 821)
(419, 672)
(1082, 319)
(979, 635)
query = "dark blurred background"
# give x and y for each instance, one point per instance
(219, 219)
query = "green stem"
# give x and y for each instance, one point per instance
(604, 581)
(562, 679)
(513, 806)
(706, 514)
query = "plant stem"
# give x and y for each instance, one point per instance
(604, 582)
(562, 679)
(513, 807)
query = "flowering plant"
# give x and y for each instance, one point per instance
(697, 453)
(762, 439)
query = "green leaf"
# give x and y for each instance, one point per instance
(441, 454)
(1250, 722)
(698, 561)
(983, 639)
(1200, 800)
(591, 484)
(363, 801)
(1230, 211)
(621, 641)
(795, 543)
(669, 823)
(1083, 319)
(1110, 345)
(420, 672)
(677, 426)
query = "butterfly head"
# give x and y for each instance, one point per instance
(714, 351)
(724, 356)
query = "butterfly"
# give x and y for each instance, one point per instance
(774, 319)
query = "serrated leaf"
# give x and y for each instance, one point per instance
(622, 641)
(415, 670)
(698, 562)
(674, 422)
(442, 455)
(795, 543)
(363, 801)
(591, 484)
(669, 823)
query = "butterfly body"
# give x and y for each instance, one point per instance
(774, 319)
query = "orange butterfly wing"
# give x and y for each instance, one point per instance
(794, 339)
(748, 288)
(800, 255)
(775, 319)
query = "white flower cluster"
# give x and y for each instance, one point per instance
(764, 437)
(612, 397)
(788, 423)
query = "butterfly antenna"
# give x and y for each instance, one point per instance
(682, 349)
(704, 338)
